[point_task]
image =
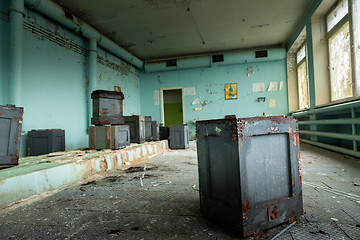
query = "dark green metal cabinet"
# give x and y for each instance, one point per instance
(44, 141)
(179, 136)
(148, 135)
(249, 174)
(109, 137)
(10, 133)
(107, 108)
(155, 133)
(137, 128)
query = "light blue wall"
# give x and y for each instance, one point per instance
(209, 84)
(123, 75)
(55, 79)
(4, 51)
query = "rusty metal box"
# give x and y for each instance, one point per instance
(109, 137)
(44, 141)
(249, 173)
(137, 128)
(155, 130)
(10, 133)
(164, 133)
(178, 136)
(148, 135)
(107, 107)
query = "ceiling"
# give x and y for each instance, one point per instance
(157, 29)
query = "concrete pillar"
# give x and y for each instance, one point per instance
(16, 36)
(92, 74)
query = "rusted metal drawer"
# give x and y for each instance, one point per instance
(249, 173)
(148, 135)
(155, 130)
(107, 108)
(137, 128)
(10, 133)
(179, 136)
(109, 137)
(164, 133)
(44, 141)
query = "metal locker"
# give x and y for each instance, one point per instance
(179, 136)
(109, 137)
(10, 133)
(249, 173)
(44, 141)
(155, 130)
(137, 128)
(107, 108)
(148, 135)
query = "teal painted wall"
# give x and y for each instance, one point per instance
(4, 50)
(123, 75)
(55, 80)
(209, 84)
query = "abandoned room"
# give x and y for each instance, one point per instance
(180, 119)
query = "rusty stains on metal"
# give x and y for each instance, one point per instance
(292, 219)
(257, 234)
(245, 205)
(108, 137)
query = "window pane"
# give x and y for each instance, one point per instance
(340, 64)
(300, 54)
(303, 86)
(337, 14)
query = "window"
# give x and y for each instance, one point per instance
(340, 54)
(302, 78)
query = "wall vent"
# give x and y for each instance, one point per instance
(171, 63)
(261, 54)
(217, 58)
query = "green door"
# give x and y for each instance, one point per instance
(173, 111)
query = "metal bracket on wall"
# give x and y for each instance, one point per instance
(260, 99)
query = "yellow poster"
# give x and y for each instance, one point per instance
(231, 91)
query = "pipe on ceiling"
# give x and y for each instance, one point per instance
(15, 51)
(207, 61)
(60, 15)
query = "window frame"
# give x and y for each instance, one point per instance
(298, 64)
(347, 18)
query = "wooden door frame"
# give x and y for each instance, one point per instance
(162, 102)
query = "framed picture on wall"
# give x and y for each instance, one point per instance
(230, 91)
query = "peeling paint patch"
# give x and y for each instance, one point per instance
(260, 25)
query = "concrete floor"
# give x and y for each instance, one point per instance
(167, 205)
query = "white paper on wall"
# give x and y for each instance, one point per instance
(258, 87)
(272, 103)
(196, 101)
(281, 85)
(189, 91)
(156, 98)
(273, 86)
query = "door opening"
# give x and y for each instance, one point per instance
(172, 106)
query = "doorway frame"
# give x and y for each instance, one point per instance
(162, 102)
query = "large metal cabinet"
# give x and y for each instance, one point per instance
(179, 136)
(44, 141)
(164, 133)
(249, 174)
(107, 107)
(155, 130)
(109, 137)
(148, 135)
(137, 128)
(10, 133)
